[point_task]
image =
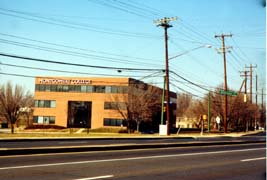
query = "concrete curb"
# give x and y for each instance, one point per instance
(47, 150)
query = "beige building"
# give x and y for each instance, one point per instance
(81, 102)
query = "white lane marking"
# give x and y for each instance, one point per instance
(97, 177)
(253, 159)
(128, 159)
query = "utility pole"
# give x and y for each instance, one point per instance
(250, 69)
(256, 96)
(245, 83)
(223, 49)
(165, 24)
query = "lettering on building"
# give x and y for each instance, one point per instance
(65, 81)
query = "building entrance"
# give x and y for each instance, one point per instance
(79, 114)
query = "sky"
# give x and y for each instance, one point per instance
(123, 34)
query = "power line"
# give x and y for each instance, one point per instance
(75, 64)
(73, 25)
(73, 53)
(119, 8)
(72, 72)
(72, 47)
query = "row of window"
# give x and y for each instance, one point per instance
(44, 119)
(45, 103)
(51, 120)
(114, 122)
(115, 105)
(80, 88)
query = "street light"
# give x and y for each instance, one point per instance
(202, 46)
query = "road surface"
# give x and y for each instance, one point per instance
(231, 162)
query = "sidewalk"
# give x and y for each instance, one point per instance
(31, 135)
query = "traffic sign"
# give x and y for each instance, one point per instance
(229, 93)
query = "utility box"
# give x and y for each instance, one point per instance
(163, 130)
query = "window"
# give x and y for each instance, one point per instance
(83, 88)
(35, 119)
(77, 88)
(115, 105)
(59, 88)
(42, 87)
(53, 88)
(45, 103)
(108, 89)
(52, 104)
(119, 89)
(40, 120)
(41, 103)
(65, 88)
(44, 119)
(37, 87)
(47, 88)
(71, 88)
(99, 89)
(36, 103)
(52, 120)
(114, 122)
(89, 88)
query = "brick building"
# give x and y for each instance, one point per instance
(83, 102)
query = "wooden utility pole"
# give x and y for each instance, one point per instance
(165, 24)
(256, 95)
(223, 49)
(251, 70)
(245, 83)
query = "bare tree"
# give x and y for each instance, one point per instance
(11, 101)
(240, 114)
(183, 103)
(139, 104)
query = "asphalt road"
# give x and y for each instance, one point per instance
(234, 162)
(110, 141)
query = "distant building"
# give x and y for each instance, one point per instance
(83, 102)
(187, 122)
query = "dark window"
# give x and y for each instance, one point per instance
(71, 88)
(42, 87)
(59, 88)
(99, 89)
(37, 87)
(65, 88)
(35, 119)
(52, 120)
(41, 103)
(35, 103)
(114, 122)
(53, 88)
(77, 88)
(46, 103)
(48, 88)
(89, 88)
(115, 105)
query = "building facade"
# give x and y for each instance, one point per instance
(82, 102)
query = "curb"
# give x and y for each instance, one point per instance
(47, 150)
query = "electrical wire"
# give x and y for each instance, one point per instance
(75, 64)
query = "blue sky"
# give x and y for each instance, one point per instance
(121, 33)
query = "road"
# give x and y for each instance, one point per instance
(110, 141)
(231, 162)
